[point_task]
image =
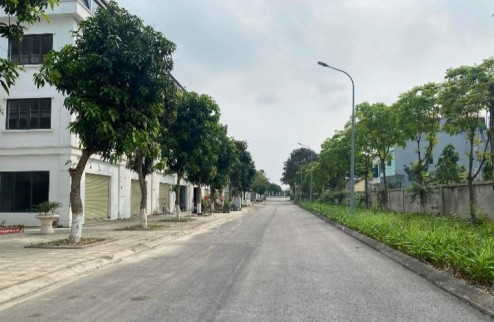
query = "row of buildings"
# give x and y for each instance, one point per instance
(37, 149)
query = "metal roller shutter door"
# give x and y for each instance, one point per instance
(135, 197)
(97, 196)
(164, 197)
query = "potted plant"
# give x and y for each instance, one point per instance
(47, 216)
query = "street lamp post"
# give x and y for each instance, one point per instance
(352, 158)
(311, 170)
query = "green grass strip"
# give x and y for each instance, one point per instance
(452, 244)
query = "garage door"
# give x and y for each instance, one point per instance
(135, 197)
(164, 197)
(97, 196)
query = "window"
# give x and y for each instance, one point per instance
(26, 114)
(375, 171)
(431, 160)
(31, 49)
(21, 191)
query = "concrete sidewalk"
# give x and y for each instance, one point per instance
(24, 271)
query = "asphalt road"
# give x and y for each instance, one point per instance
(278, 263)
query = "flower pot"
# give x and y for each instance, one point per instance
(11, 230)
(47, 223)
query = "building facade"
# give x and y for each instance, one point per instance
(404, 156)
(37, 149)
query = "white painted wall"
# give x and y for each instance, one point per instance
(55, 149)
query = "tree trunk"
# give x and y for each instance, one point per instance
(199, 201)
(212, 200)
(470, 177)
(177, 192)
(222, 201)
(75, 197)
(491, 125)
(144, 191)
(422, 204)
(420, 174)
(472, 200)
(366, 182)
(385, 180)
(366, 192)
(423, 191)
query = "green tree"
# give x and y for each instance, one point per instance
(188, 126)
(383, 132)
(143, 162)
(447, 169)
(213, 159)
(463, 99)
(332, 170)
(308, 177)
(225, 164)
(243, 169)
(418, 113)
(113, 76)
(300, 181)
(297, 158)
(260, 184)
(488, 87)
(335, 160)
(147, 159)
(318, 177)
(26, 12)
(364, 153)
(274, 189)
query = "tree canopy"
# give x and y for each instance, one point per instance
(464, 97)
(191, 124)
(243, 169)
(26, 12)
(383, 132)
(335, 159)
(297, 158)
(114, 77)
(419, 115)
(226, 161)
(261, 183)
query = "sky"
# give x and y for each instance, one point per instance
(258, 59)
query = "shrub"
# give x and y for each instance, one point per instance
(333, 197)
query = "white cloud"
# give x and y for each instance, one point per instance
(258, 59)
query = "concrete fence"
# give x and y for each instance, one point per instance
(447, 200)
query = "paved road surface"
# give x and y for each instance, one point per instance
(278, 263)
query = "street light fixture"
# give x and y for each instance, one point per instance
(352, 158)
(311, 159)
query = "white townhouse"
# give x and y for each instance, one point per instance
(37, 149)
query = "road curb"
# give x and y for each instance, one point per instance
(37, 284)
(472, 295)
